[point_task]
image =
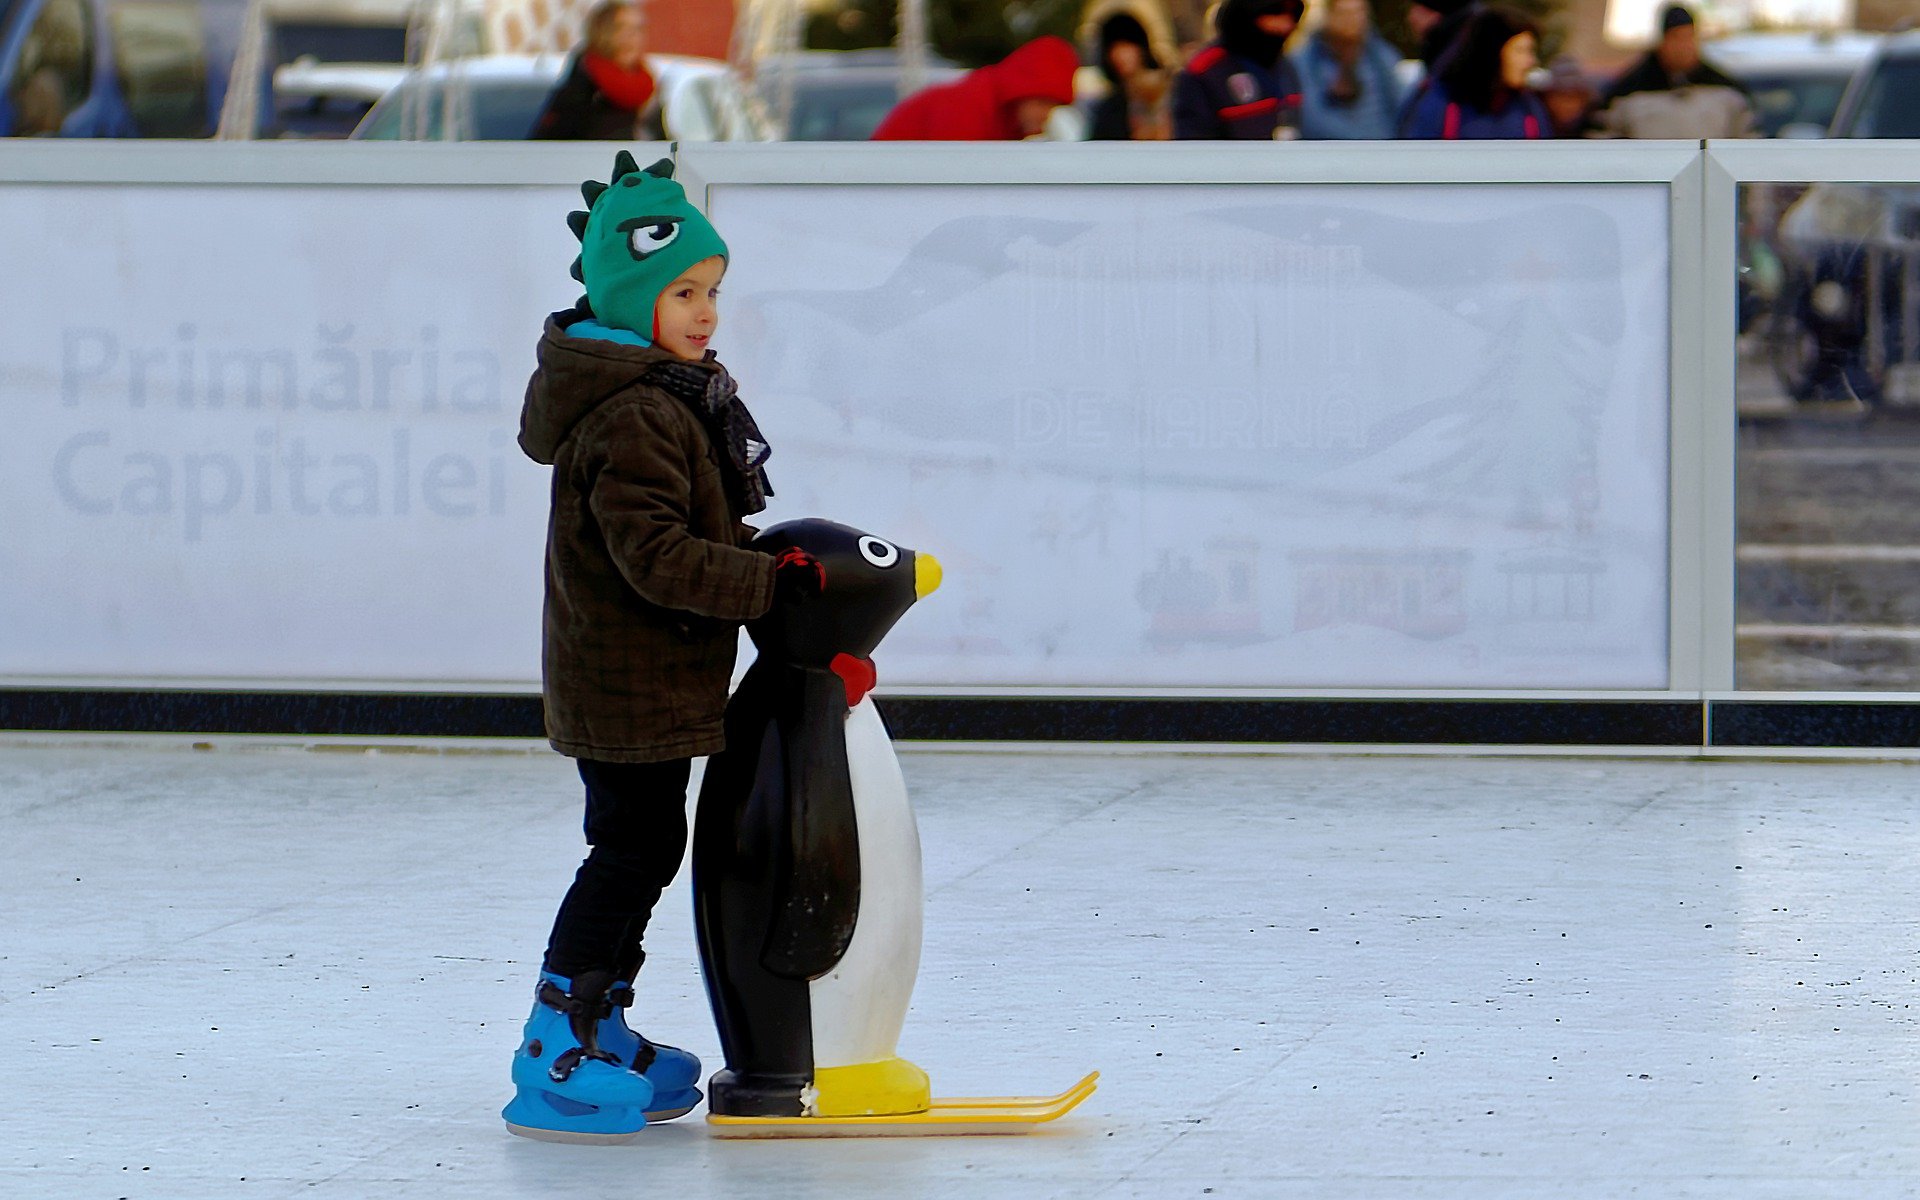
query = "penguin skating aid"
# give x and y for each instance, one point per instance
(806, 873)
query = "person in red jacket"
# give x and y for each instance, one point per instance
(1007, 101)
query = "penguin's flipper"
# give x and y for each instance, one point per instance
(816, 895)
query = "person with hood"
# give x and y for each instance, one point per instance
(1481, 89)
(1349, 78)
(1134, 108)
(1240, 86)
(1007, 101)
(1672, 93)
(1438, 24)
(656, 465)
(607, 94)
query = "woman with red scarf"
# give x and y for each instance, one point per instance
(608, 94)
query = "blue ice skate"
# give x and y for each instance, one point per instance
(568, 1088)
(673, 1072)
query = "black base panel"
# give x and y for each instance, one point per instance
(1753, 724)
(297, 714)
(1809, 724)
(1379, 722)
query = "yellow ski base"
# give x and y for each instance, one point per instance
(947, 1118)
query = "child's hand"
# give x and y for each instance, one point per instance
(797, 575)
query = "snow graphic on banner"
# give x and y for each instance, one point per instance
(1229, 436)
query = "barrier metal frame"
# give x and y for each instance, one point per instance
(705, 167)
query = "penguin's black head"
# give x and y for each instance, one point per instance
(871, 583)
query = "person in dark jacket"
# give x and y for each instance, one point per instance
(1240, 86)
(656, 464)
(1438, 24)
(1673, 93)
(607, 93)
(1005, 101)
(1134, 108)
(1481, 90)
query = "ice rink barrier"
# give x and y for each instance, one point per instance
(1384, 445)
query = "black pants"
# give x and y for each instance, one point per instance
(637, 826)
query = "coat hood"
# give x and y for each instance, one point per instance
(1105, 20)
(1043, 67)
(576, 375)
(1095, 29)
(1237, 22)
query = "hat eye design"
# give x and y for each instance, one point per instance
(879, 553)
(648, 236)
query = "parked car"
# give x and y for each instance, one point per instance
(1884, 98)
(314, 99)
(1850, 252)
(505, 93)
(1795, 79)
(836, 95)
(327, 57)
(128, 68)
(161, 68)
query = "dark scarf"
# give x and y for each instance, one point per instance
(1346, 88)
(710, 392)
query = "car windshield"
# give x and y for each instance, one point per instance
(838, 110)
(339, 43)
(1798, 99)
(499, 110)
(1891, 106)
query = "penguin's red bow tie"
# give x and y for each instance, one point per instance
(857, 673)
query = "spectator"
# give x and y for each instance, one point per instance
(1007, 101)
(1569, 96)
(1240, 85)
(607, 94)
(1134, 108)
(1349, 83)
(1437, 23)
(1480, 90)
(39, 105)
(1671, 93)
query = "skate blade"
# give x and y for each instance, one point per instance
(668, 1114)
(957, 1117)
(568, 1138)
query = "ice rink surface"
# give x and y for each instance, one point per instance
(280, 973)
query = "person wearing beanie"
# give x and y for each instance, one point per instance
(1481, 90)
(1569, 96)
(656, 466)
(1673, 93)
(1240, 86)
(1007, 101)
(1349, 78)
(607, 93)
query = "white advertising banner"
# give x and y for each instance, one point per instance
(1234, 436)
(1228, 436)
(266, 433)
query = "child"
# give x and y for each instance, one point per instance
(655, 464)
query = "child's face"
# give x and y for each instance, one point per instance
(688, 311)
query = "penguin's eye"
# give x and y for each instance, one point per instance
(648, 236)
(879, 553)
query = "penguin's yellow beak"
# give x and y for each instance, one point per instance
(926, 575)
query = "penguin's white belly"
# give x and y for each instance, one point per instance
(860, 1005)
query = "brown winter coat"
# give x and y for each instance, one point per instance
(647, 580)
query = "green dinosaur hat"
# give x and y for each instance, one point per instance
(636, 237)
